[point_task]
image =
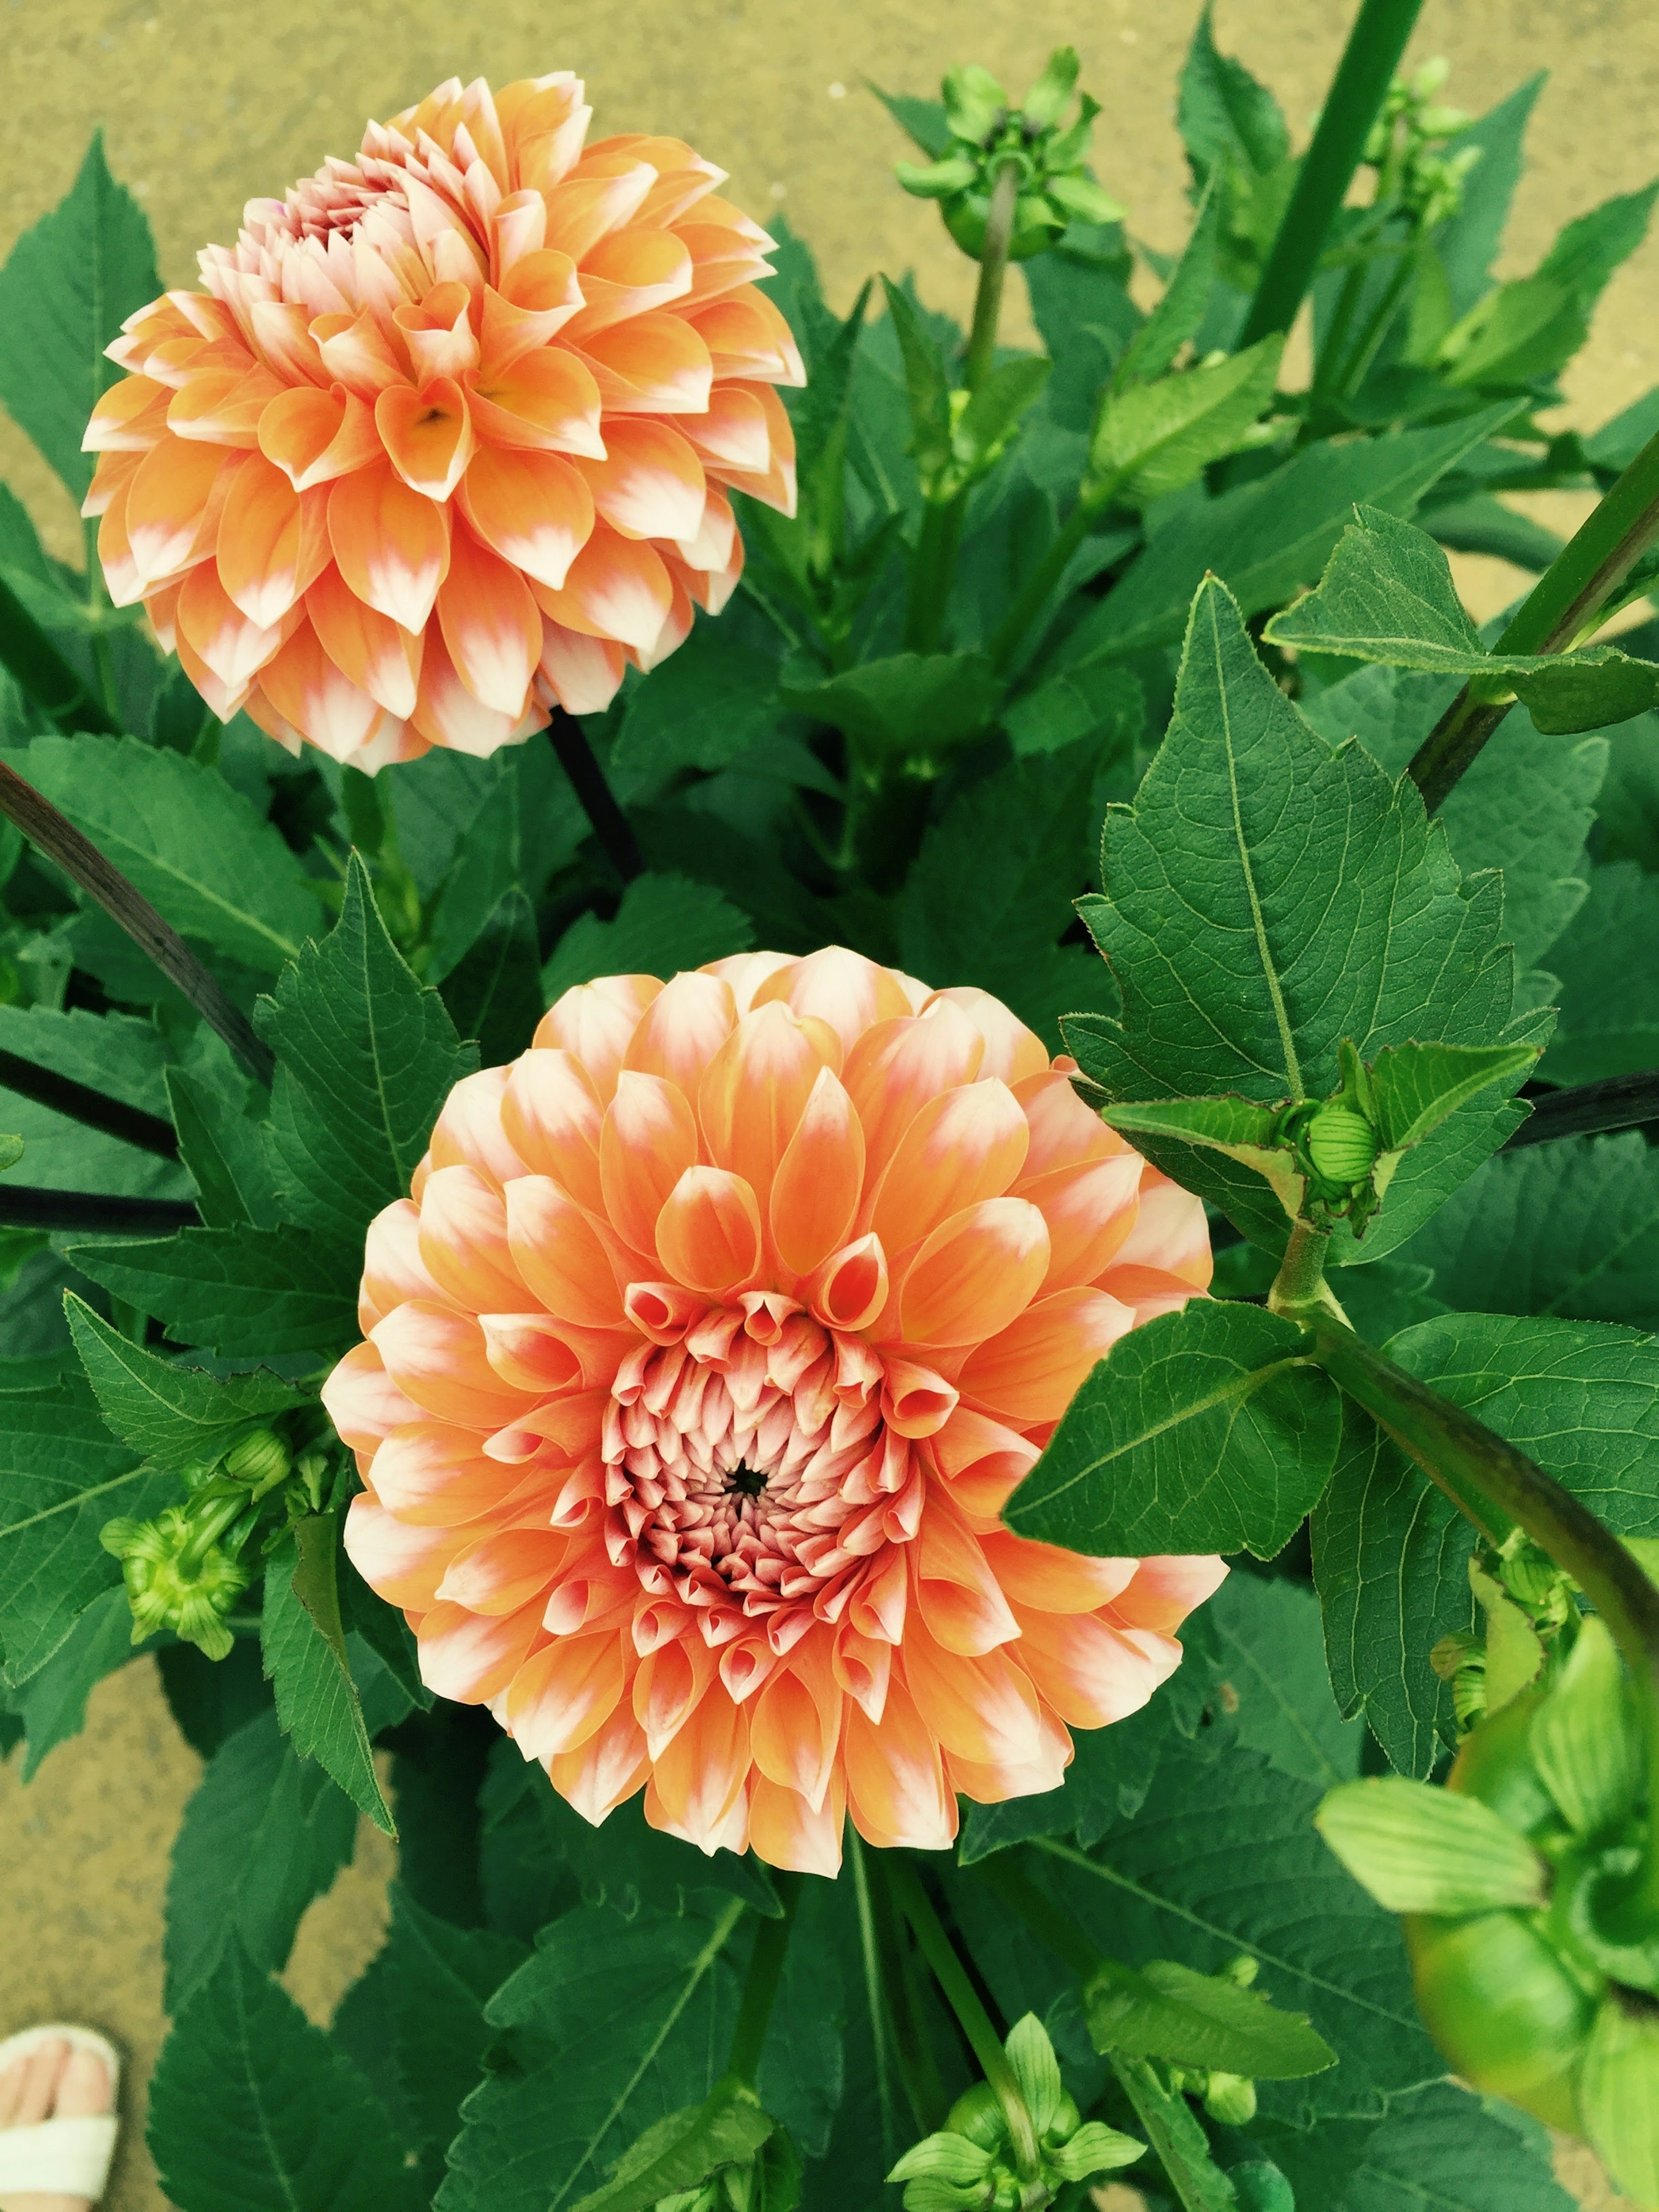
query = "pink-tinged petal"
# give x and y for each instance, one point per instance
(502, 1570)
(430, 1474)
(463, 1242)
(112, 473)
(671, 1681)
(897, 1065)
(1031, 1372)
(472, 1657)
(629, 274)
(915, 1402)
(864, 1669)
(551, 1117)
(1170, 1234)
(391, 544)
(734, 434)
(848, 1290)
(223, 407)
(561, 1699)
(648, 1140)
(562, 1255)
(967, 1144)
(217, 630)
(438, 333)
(1165, 1590)
(984, 1462)
(795, 1729)
(774, 484)
(531, 1352)
(490, 625)
(1091, 1672)
(895, 1788)
(122, 575)
(604, 1772)
(815, 1191)
(167, 502)
(698, 1778)
(615, 588)
(392, 1267)
(786, 1831)
(427, 435)
(317, 698)
(362, 355)
(744, 972)
(580, 673)
(838, 987)
(534, 509)
(437, 1356)
(1064, 1132)
(754, 1092)
(974, 1274)
(747, 337)
(283, 340)
(469, 1131)
(595, 1022)
(994, 1784)
(1090, 1209)
(314, 437)
(606, 192)
(362, 1401)
(224, 700)
(650, 484)
(682, 1029)
(982, 1709)
(403, 1566)
(129, 418)
(1050, 1580)
(545, 402)
(956, 1589)
(1012, 1052)
(377, 655)
(709, 1232)
(273, 541)
(654, 364)
(446, 713)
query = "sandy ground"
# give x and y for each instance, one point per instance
(205, 102)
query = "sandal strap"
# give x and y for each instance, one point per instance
(71, 2157)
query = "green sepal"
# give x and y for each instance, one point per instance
(1585, 1742)
(1618, 2095)
(1419, 1849)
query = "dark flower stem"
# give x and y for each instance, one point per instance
(1617, 1102)
(760, 1987)
(81, 861)
(1358, 90)
(598, 801)
(79, 1102)
(22, 1208)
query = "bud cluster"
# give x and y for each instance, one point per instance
(974, 2165)
(1337, 1145)
(1529, 1916)
(1405, 143)
(989, 135)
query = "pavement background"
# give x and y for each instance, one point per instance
(204, 103)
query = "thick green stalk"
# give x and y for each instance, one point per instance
(875, 1998)
(971, 2015)
(1498, 1486)
(993, 273)
(760, 1987)
(1616, 1101)
(1362, 80)
(1560, 608)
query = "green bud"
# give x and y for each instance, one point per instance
(1530, 1576)
(1506, 2012)
(174, 1580)
(1230, 2098)
(1418, 1849)
(1008, 2194)
(260, 1460)
(1241, 1971)
(1260, 2187)
(1093, 2149)
(1035, 2068)
(978, 2114)
(1442, 122)
(1428, 77)
(1341, 1145)
(1619, 2094)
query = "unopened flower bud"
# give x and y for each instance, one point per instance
(1341, 1145)
(260, 1460)
(978, 2114)
(175, 1580)
(1241, 1969)
(1230, 2098)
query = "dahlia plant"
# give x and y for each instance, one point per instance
(828, 1144)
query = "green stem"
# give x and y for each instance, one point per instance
(933, 572)
(1033, 594)
(992, 273)
(1336, 335)
(1300, 1281)
(1560, 608)
(1375, 330)
(870, 1954)
(1496, 1486)
(1362, 80)
(1042, 1916)
(971, 2015)
(760, 1987)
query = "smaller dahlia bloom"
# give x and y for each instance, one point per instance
(442, 443)
(698, 1369)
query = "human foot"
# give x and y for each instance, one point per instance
(57, 2123)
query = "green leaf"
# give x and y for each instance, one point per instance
(1415, 1087)
(175, 1414)
(922, 120)
(223, 1150)
(703, 707)
(442, 1977)
(62, 1476)
(193, 845)
(1226, 116)
(122, 1057)
(253, 2110)
(264, 1832)
(243, 1293)
(1186, 298)
(1570, 1229)
(682, 2150)
(1248, 938)
(928, 387)
(1609, 1019)
(608, 2029)
(1232, 1127)
(665, 924)
(908, 703)
(1267, 537)
(305, 1660)
(1467, 243)
(1163, 2010)
(1437, 2147)
(69, 283)
(365, 1058)
(52, 1703)
(1271, 1658)
(1223, 1858)
(995, 412)
(1175, 2131)
(1629, 809)
(1152, 438)
(1100, 701)
(802, 2080)
(493, 992)
(1207, 1430)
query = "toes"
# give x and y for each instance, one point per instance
(83, 2085)
(42, 2071)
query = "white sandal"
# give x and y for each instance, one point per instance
(66, 2157)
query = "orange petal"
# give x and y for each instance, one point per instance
(915, 1400)
(490, 624)
(1091, 1672)
(392, 545)
(615, 588)
(1170, 1234)
(1091, 1210)
(551, 1115)
(795, 1730)
(403, 1566)
(392, 1267)
(840, 987)
(437, 1356)
(318, 698)
(653, 364)
(746, 335)
(895, 1067)
(967, 1144)
(1012, 1052)
(815, 1191)
(1051, 1580)
(974, 1274)
(1165, 1591)
(561, 1254)
(427, 435)
(472, 1657)
(982, 1709)
(785, 1831)
(682, 1029)
(217, 629)
(128, 417)
(502, 1570)
(534, 509)
(957, 1588)
(448, 712)
(464, 1241)
(431, 1474)
(580, 673)
(167, 502)
(223, 407)
(595, 1022)
(362, 1401)
(604, 1772)
(1064, 1132)
(753, 1096)
(546, 402)
(650, 483)
(627, 274)
(709, 1232)
(469, 1132)
(563, 1697)
(272, 542)
(648, 1141)
(1032, 1370)
(991, 1783)
(379, 656)
(849, 1289)
(538, 294)
(699, 1776)
(896, 1786)
(671, 1679)
(315, 436)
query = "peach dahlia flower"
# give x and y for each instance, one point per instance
(699, 1368)
(441, 443)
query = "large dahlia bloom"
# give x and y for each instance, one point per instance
(699, 1367)
(441, 444)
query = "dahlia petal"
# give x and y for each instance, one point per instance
(562, 1695)
(216, 630)
(967, 1144)
(794, 1730)
(1090, 1209)
(1064, 1132)
(896, 1787)
(735, 431)
(375, 654)
(1030, 1372)
(1050, 1580)
(786, 1831)
(850, 1288)
(605, 193)
(915, 1400)
(438, 333)
(391, 544)
(983, 1709)
(956, 1589)
(402, 1564)
(1012, 1052)
(282, 338)
(1164, 1591)
(654, 364)
(753, 1095)
(437, 1356)
(309, 691)
(471, 1131)
(534, 509)
(449, 712)
(994, 1784)
(815, 1191)
(112, 473)
(615, 588)
(605, 1770)
(224, 700)
(222, 407)
(363, 1401)
(1169, 1233)
(650, 483)
(121, 573)
(427, 435)
(698, 1778)
(747, 337)
(464, 1243)
(551, 1117)
(503, 1569)
(559, 1251)
(668, 1688)
(984, 1462)
(490, 625)
(392, 1267)
(648, 1140)
(897, 1066)
(547, 401)
(128, 417)
(974, 1274)
(538, 294)
(708, 1231)
(429, 1473)
(595, 1022)
(315, 436)
(682, 1029)
(167, 502)
(582, 674)
(272, 542)
(471, 1657)
(838, 987)
(1089, 1672)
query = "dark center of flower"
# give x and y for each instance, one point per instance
(747, 1481)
